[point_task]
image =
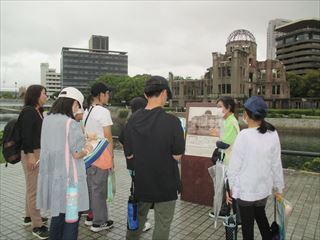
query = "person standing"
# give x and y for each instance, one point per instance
(30, 123)
(97, 124)
(53, 177)
(154, 139)
(255, 168)
(227, 135)
(135, 104)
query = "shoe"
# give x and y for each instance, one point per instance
(221, 216)
(98, 228)
(41, 232)
(27, 221)
(147, 226)
(88, 221)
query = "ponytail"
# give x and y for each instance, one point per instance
(265, 126)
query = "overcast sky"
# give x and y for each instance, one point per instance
(159, 36)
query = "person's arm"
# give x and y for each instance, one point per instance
(229, 133)
(236, 161)
(276, 167)
(77, 144)
(108, 135)
(178, 144)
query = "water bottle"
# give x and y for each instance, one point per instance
(133, 213)
(72, 204)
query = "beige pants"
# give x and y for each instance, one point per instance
(31, 190)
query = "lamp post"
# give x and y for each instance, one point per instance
(16, 89)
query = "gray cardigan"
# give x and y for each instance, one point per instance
(52, 178)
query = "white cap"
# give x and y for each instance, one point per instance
(73, 93)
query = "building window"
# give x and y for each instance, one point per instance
(224, 88)
(316, 36)
(250, 77)
(275, 89)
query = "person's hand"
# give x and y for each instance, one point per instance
(88, 147)
(229, 198)
(214, 132)
(31, 161)
(91, 136)
(277, 195)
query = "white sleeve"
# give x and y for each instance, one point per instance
(104, 117)
(276, 166)
(236, 160)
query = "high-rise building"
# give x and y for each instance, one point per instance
(80, 66)
(50, 79)
(298, 46)
(272, 35)
(99, 42)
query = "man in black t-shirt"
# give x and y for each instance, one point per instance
(155, 140)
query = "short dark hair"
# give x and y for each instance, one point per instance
(63, 106)
(228, 103)
(99, 87)
(33, 94)
(154, 93)
(137, 103)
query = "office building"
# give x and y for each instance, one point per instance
(81, 66)
(50, 79)
(99, 42)
(298, 46)
(272, 35)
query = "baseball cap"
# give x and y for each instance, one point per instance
(257, 106)
(73, 93)
(156, 83)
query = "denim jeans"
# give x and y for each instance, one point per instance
(60, 230)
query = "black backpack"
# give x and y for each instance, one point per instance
(11, 146)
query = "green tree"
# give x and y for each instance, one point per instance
(124, 87)
(312, 80)
(297, 85)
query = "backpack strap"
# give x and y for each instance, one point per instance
(85, 122)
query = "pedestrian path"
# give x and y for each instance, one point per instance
(191, 221)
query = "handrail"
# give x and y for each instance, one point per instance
(284, 152)
(300, 153)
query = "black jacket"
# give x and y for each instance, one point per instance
(30, 123)
(153, 136)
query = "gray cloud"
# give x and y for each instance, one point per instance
(158, 36)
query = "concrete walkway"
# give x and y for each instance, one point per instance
(191, 221)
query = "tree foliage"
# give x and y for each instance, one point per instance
(307, 85)
(125, 87)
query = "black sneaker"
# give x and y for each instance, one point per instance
(98, 228)
(27, 221)
(41, 232)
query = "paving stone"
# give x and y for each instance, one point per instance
(191, 221)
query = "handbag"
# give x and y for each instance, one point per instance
(100, 157)
(72, 195)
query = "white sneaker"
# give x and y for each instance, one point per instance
(105, 226)
(147, 226)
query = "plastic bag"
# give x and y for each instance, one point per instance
(111, 186)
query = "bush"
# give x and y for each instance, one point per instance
(294, 115)
(313, 165)
(123, 113)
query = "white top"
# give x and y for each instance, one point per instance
(255, 166)
(99, 118)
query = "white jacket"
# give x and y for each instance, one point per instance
(255, 166)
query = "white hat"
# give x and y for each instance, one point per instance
(73, 93)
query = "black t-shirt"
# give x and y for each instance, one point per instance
(153, 136)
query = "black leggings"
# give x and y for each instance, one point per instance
(248, 215)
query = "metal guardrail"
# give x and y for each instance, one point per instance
(300, 153)
(284, 152)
